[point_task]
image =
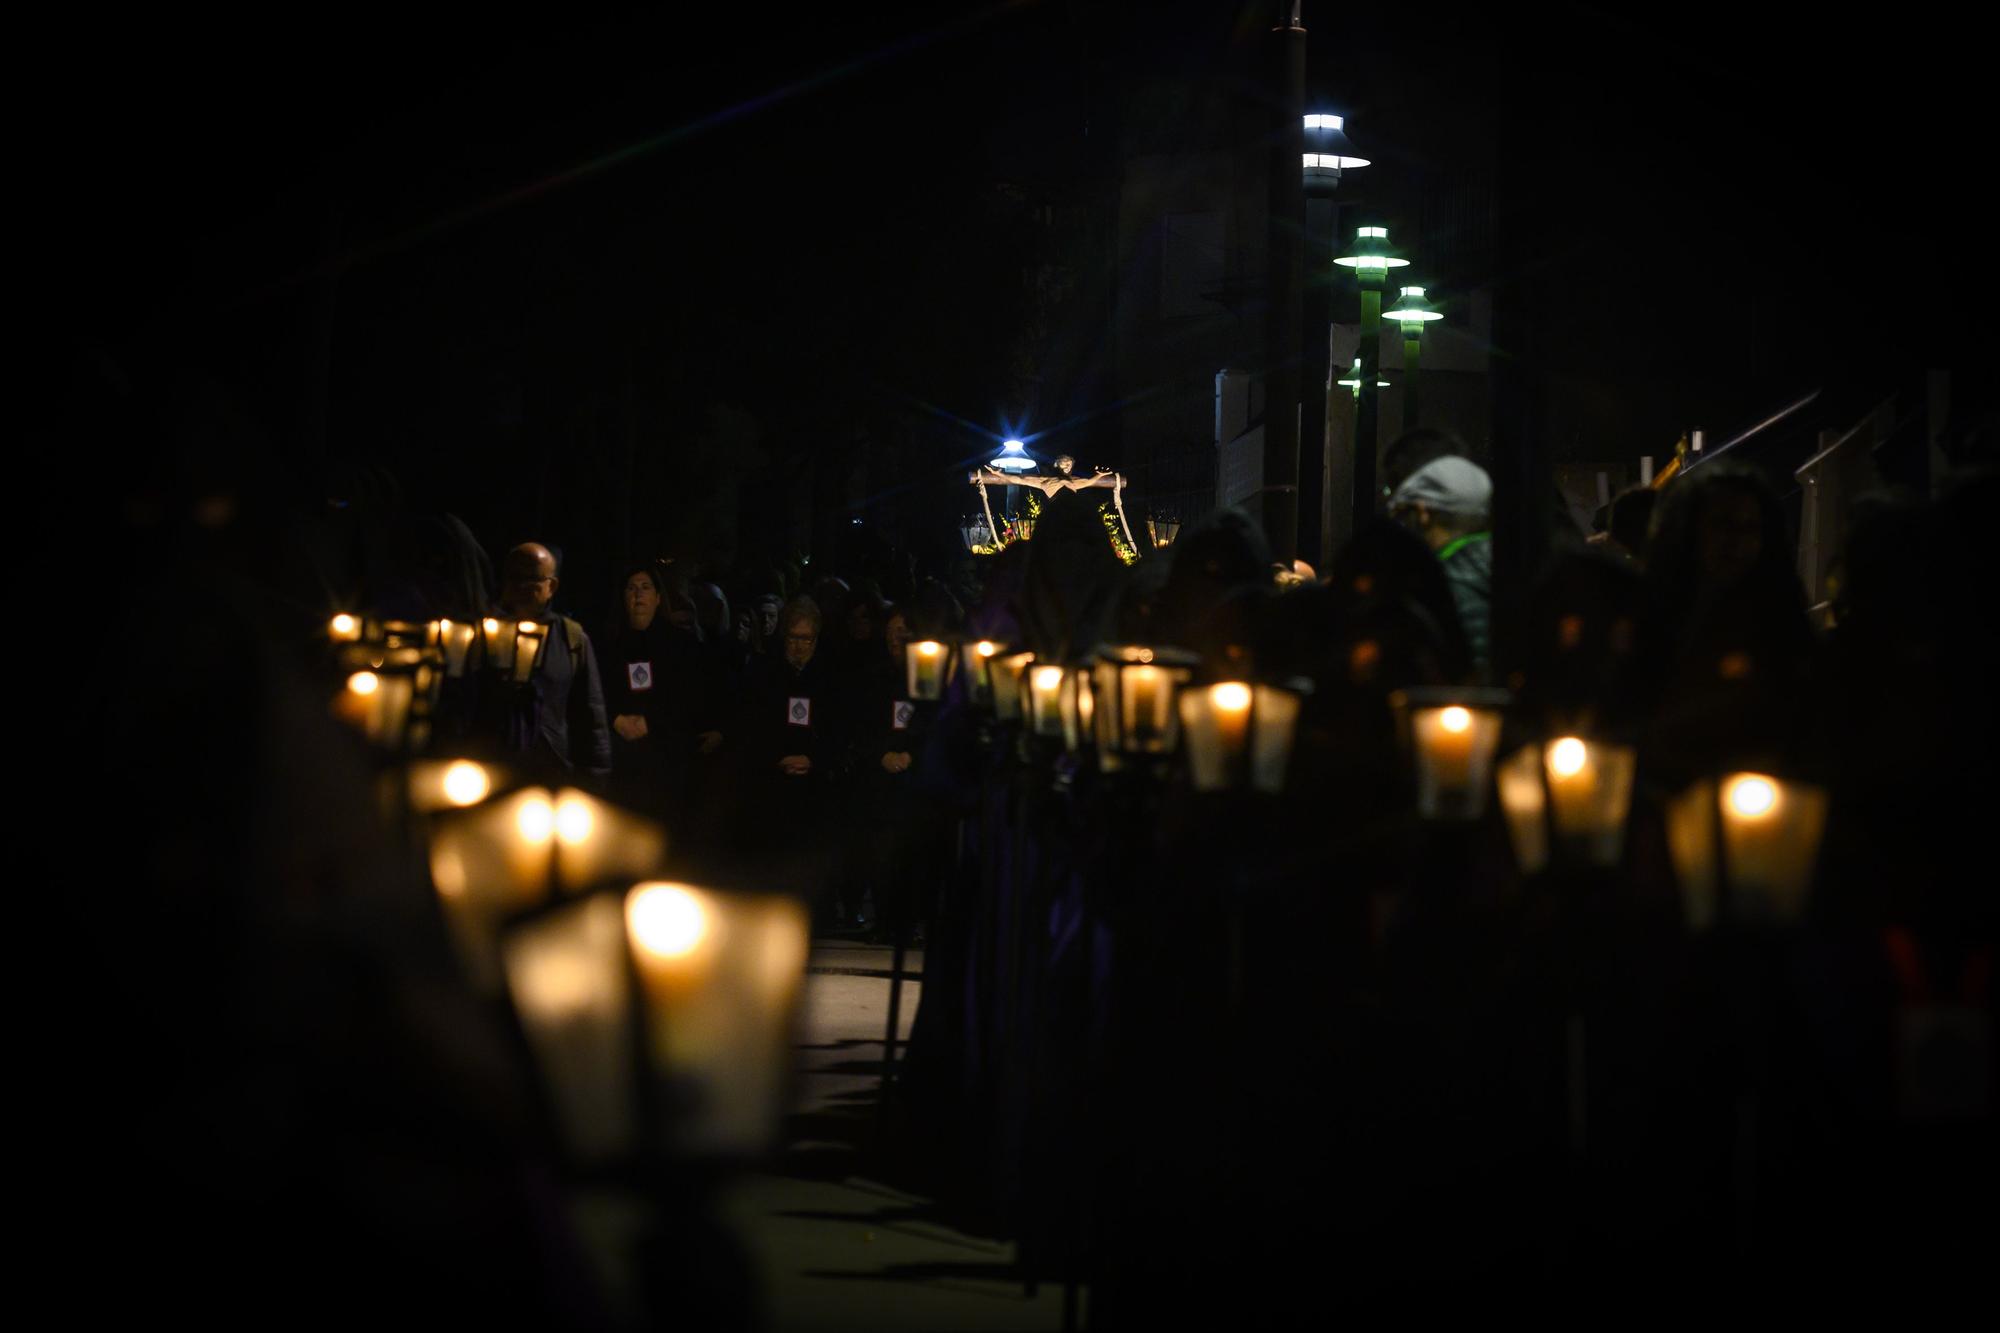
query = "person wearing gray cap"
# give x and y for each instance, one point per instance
(1447, 502)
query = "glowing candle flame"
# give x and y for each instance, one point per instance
(666, 920)
(1455, 719)
(364, 682)
(573, 820)
(1751, 796)
(1567, 757)
(535, 819)
(466, 783)
(1231, 696)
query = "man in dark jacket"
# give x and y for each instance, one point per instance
(570, 731)
(1447, 502)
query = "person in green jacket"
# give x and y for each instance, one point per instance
(1448, 502)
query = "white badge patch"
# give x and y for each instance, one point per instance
(900, 713)
(799, 712)
(639, 675)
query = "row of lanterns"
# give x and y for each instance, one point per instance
(1743, 845)
(658, 1013)
(396, 669)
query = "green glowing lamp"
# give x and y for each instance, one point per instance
(1372, 250)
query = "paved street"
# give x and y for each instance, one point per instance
(837, 1249)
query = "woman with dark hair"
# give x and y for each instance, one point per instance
(655, 690)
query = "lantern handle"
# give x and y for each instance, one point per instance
(1118, 500)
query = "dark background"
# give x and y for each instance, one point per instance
(626, 281)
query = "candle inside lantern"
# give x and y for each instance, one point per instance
(979, 669)
(1770, 833)
(436, 784)
(344, 628)
(1148, 699)
(1590, 792)
(1217, 723)
(721, 974)
(1078, 708)
(455, 640)
(499, 646)
(1453, 750)
(1045, 700)
(925, 661)
(529, 637)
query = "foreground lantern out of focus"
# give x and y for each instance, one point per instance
(977, 664)
(520, 849)
(1744, 848)
(1566, 802)
(1449, 738)
(1240, 735)
(1043, 700)
(1008, 671)
(1133, 702)
(927, 664)
(1079, 709)
(660, 1017)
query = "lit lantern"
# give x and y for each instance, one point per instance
(1163, 528)
(978, 667)
(531, 637)
(1008, 670)
(1745, 847)
(377, 694)
(455, 639)
(1240, 734)
(510, 853)
(1450, 736)
(1570, 797)
(1133, 696)
(928, 665)
(661, 1017)
(1078, 709)
(448, 784)
(499, 646)
(1044, 699)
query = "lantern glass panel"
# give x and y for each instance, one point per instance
(498, 637)
(530, 640)
(1590, 793)
(978, 667)
(1044, 699)
(1008, 685)
(720, 976)
(455, 640)
(1767, 832)
(1078, 708)
(1452, 739)
(1524, 801)
(567, 977)
(1274, 726)
(927, 665)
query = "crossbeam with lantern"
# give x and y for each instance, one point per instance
(1013, 466)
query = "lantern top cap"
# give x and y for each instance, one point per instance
(1144, 654)
(1412, 307)
(1372, 250)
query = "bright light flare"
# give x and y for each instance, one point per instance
(666, 920)
(1751, 795)
(1231, 696)
(1567, 757)
(363, 683)
(573, 820)
(535, 819)
(1456, 720)
(466, 783)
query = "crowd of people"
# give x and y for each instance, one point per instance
(1377, 995)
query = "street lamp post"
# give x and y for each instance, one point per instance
(1328, 153)
(1412, 311)
(1371, 258)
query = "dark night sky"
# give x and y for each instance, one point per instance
(786, 211)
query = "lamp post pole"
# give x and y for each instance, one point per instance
(1371, 259)
(1412, 311)
(1328, 153)
(1285, 263)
